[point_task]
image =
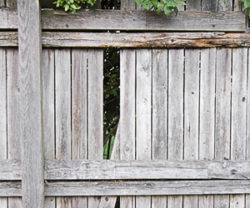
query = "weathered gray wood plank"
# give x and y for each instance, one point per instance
(239, 127)
(207, 113)
(13, 190)
(223, 109)
(127, 112)
(79, 112)
(133, 20)
(134, 40)
(48, 79)
(63, 110)
(143, 112)
(2, 3)
(159, 113)
(10, 170)
(3, 105)
(30, 66)
(132, 170)
(175, 113)
(3, 113)
(147, 188)
(193, 5)
(115, 170)
(95, 110)
(138, 188)
(248, 123)
(11, 4)
(13, 113)
(207, 104)
(109, 202)
(191, 113)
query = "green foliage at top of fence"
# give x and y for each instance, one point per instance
(167, 6)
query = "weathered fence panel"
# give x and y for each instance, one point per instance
(183, 137)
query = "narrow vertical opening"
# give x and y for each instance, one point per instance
(111, 99)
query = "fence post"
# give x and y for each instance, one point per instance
(29, 35)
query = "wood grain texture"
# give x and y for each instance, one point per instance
(30, 66)
(63, 111)
(143, 112)
(79, 112)
(13, 113)
(191, 113)
(13, 190)
(138, 188)
(147, 188)
(134, 40)
(248, 122)
(110, 202)
(175, 112)
(223, 109)
(3, 113)
(207, 100)
(2, 3)
(207, 112)
(95, 110)
(11, 4)
(136, 170)
(132, 170)
(127, 112)
(48, 84)
(159, 113)
(207, 104)
(239, 128)
(133, 20)
(194, 5)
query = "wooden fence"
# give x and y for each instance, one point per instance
(184, 134)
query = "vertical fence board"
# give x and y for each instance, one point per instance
(13, 113)
(237, 5)
(193, 5)
(175, 115)
(110, 202)
(30, 66)
(239, 128)
(127, 113)
(248, 122)
(48, 111)
(160, 113)
(191, 111)
(79, 113)
(129, 58)
(2, 3)
(143, 113)
(63, 112)
(3, 114)
(223, 111)
(207, 112)
(95, 110)
(11, 4)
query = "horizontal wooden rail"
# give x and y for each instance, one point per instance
(134, 40)
(133, 170)
(137, 188)
(133, 20)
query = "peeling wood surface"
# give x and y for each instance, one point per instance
(134, 40)
(133, 20)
